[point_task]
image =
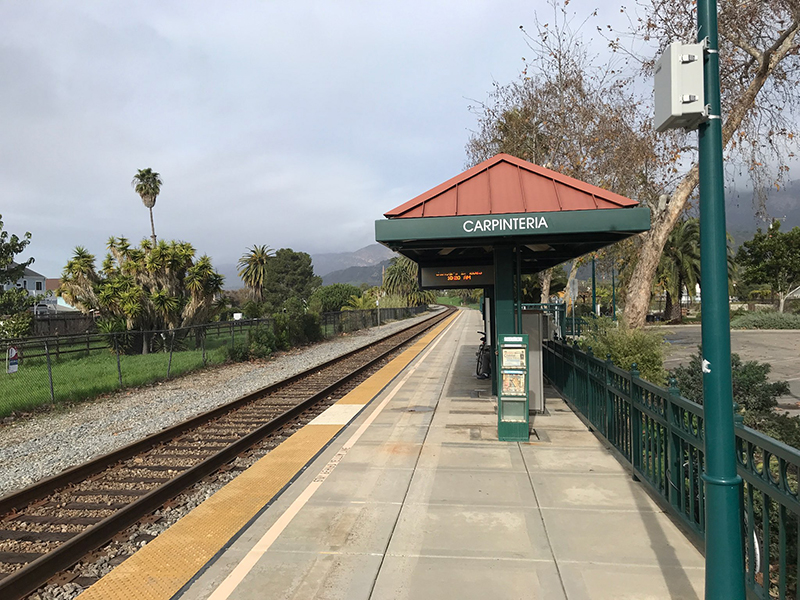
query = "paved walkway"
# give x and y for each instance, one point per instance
(417, 499)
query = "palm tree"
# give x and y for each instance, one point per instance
(680, 265)
(147, 184)
(253, 269)
(401, 279)
(364, 302)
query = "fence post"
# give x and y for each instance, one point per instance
(591, 408)
(233, 338)
(674, 460)
(87, 344)
(50, 373)
(610, 430)
(171, 347)
(119, 367)
(636, 424)
(203, 341)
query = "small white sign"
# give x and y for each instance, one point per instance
(13, 360)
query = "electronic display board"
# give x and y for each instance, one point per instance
(470, 276)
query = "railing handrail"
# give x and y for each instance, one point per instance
(660, 434)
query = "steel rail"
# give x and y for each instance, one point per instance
(35, 574)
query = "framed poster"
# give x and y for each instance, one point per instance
(513, 358)
(513, 383)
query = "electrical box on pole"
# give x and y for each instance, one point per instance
(679, 92)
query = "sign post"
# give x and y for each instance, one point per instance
(12, 360)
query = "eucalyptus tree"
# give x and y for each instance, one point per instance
(253, 269)
(571, 114)
(147, 184)
(760, 56)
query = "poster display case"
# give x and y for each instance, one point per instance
(512, 412)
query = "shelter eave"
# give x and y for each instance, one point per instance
(467, 230)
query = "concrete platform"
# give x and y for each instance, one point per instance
(417, 499)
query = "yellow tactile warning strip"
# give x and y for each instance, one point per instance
(165, 565)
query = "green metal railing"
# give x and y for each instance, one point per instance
(660, 434)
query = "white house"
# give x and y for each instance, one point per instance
(31, 281)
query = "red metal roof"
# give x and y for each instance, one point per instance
(505, 184)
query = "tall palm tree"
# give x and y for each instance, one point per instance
(680, 265)
(253, 269)
(147, 184)
(400, 279)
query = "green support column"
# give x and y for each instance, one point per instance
(504, 318)
(518, 288)
(724, 553)
(504, 290)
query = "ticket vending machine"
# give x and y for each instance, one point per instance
(512, 395)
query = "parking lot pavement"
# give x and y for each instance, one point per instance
(779, 348)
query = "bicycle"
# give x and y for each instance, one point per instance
(483, 368)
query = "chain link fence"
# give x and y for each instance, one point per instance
(56, 370)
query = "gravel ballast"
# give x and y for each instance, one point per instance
(44, 445)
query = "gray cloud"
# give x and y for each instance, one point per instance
(288, 124)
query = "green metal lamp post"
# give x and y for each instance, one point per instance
(724, 552)
(594, 288)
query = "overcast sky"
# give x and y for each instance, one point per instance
(291, 124)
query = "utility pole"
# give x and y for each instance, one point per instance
(724, 552)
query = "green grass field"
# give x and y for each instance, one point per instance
(79, 377)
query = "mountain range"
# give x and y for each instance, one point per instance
(361, 266)
(365, 264)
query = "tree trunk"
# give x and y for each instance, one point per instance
(573, 272)
(675, 313)
(152, 227)
(545, 277)
(667, 306)
(637, 300)
(781, 302)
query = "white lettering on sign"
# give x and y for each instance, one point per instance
(505, 224)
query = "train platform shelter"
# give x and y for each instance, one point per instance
(488, 227)
(402, 491)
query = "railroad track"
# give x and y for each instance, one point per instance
(49, 526)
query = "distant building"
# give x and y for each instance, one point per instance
(31, 280)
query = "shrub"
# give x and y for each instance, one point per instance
(751, 389)
(766, 320)
(627, 346)
(239, 353)
(293, 326)
(16, 326)
(122, 342)
(261, 341)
